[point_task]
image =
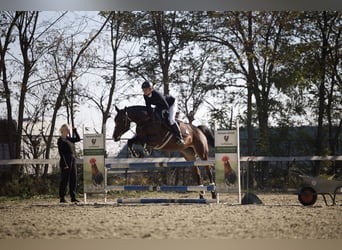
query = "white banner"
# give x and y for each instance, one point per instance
(227, 161)
(93, 163)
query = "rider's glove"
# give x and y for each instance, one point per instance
(165, 114)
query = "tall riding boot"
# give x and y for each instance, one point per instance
(177, 133)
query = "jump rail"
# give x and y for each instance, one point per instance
(161, 188)
(119, 163)
(154, 163)
(115, 164)
(164, 200)
(290, 158)
(112, 165)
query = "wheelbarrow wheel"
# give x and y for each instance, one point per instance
(307, 196)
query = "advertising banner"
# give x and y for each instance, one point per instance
(93, 163)
(227, 161)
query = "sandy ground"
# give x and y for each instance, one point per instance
(280, 216)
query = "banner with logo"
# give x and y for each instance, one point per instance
(227, 161)
(93, 163)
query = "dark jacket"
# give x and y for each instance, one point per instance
(66, 149)
(161, 102)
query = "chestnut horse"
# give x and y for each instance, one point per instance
(153, 131)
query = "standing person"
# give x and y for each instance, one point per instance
(67, 163)
(162, 103)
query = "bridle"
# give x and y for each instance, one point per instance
(127, 120)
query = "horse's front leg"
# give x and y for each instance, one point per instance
(189, 155)
(135, 153)
(197, 174)
(210, 174)
(198, 177)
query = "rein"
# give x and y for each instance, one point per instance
(139, 122)
(166, 138)
(129, 120)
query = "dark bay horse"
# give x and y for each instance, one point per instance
(153, 131)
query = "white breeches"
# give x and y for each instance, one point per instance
(172, 113)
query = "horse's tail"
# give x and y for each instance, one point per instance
(210, 137)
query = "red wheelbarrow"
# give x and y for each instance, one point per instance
(312, 186)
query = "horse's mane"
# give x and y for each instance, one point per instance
(137, 107)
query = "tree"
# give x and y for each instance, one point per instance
(168, 54)
(163, 35)
(8, 21)
(320, 33)
(24, 54)
(198, 74)
(64, 78)
(253, 42)
(329, 64)
(118, 28)
(25, 24)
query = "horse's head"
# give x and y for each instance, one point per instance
(122, 123)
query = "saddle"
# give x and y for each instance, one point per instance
(156, 127)
(160, 120)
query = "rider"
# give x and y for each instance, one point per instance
(162, 103)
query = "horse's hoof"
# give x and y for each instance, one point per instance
(201, 193)
(139, 155)
(148, 151)
(136, 154)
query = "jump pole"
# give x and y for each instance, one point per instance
(155, 163)
(226, 148)
(148, 163)
(164, 200)
(161, 188)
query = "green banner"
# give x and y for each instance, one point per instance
(87, 152)
(226, 149)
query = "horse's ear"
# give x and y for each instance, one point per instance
(116, 108)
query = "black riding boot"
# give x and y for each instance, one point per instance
(177, 133)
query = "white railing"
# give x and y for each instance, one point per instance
(113, 160)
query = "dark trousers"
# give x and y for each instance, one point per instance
(68, 175)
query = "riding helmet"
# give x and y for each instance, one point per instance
(146, 85)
